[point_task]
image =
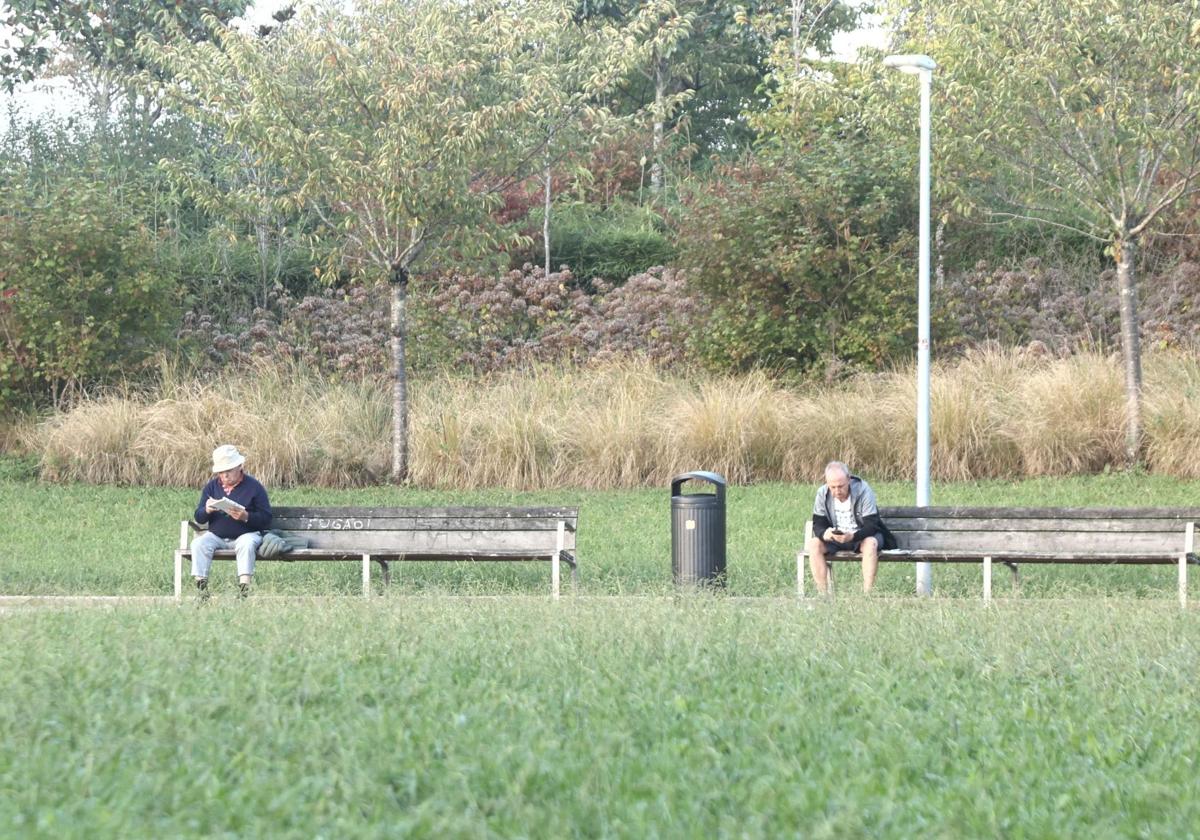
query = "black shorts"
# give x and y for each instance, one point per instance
(853, 545)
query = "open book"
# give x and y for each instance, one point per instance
(226, 504)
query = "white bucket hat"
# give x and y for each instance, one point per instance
(227, 457)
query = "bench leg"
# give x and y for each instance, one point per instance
(1189, 546)
(1183, 581)
(1016, 577)
(366, 575)
(556, 560)
(801, 558)
(183, 546)
(987, 580)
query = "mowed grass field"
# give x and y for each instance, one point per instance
(466, 703)
(103, 540)
(434, 716)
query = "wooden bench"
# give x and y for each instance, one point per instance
(384, 535)
(1099, 536)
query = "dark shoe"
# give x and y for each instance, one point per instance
(202, 587)
(243, 590)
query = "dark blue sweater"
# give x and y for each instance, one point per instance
(250, 494)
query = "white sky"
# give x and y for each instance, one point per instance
(847, 44)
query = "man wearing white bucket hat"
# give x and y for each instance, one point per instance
(235, 507)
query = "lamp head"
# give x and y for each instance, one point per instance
(914, 63)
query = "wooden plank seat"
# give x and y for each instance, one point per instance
(1012, 536)
(385, 535)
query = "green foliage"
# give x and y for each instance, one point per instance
(18, 467)
(611, 243)
(101, 32)
(227, 275)
(1079, 114)
(401, 123)
(710, 70)
(805, 256)
(82, 295)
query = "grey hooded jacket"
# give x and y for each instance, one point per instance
(866, 512)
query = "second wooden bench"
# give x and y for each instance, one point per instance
(1094, 536)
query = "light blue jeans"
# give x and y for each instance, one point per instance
(204, 545)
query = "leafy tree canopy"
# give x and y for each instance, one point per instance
(102, 32)
(1082, 114)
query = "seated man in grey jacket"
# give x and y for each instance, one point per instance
(845, 518)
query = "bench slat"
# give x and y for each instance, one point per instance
(999, 542)
(568, 513)
(900, 556)
(410, 523)
(325, 554)
(1180, 515)
(1102, 527)
(542, 542)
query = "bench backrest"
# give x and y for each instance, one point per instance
(1112, 531)
(452, 529)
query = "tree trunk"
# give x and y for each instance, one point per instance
(399, 283)
(660, 117)
(546, 215)
(263, 242)
(797, 50)
(1126, 254)
(939, 247)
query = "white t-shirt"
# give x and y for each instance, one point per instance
(843, 516)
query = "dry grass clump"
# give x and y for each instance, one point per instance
(735, 426)
(995, 414)
(623, 425)
(291, 426)
(498, 431)
(93, 442)
(970, 408)
(1172, 411)
(1068, 416)
(621, 445)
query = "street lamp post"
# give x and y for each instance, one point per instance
(923, 66)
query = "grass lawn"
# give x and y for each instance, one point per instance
(80, 539)
(439, 716)
(443, 710)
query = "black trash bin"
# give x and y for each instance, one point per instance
(698, 531)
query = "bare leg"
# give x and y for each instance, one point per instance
(816, 563)
(870, 562)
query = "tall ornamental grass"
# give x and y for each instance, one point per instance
(996, 414)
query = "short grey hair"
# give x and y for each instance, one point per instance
(837, 466)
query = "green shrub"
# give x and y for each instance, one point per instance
(612, 243)
(806, 259)
(82, 296)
